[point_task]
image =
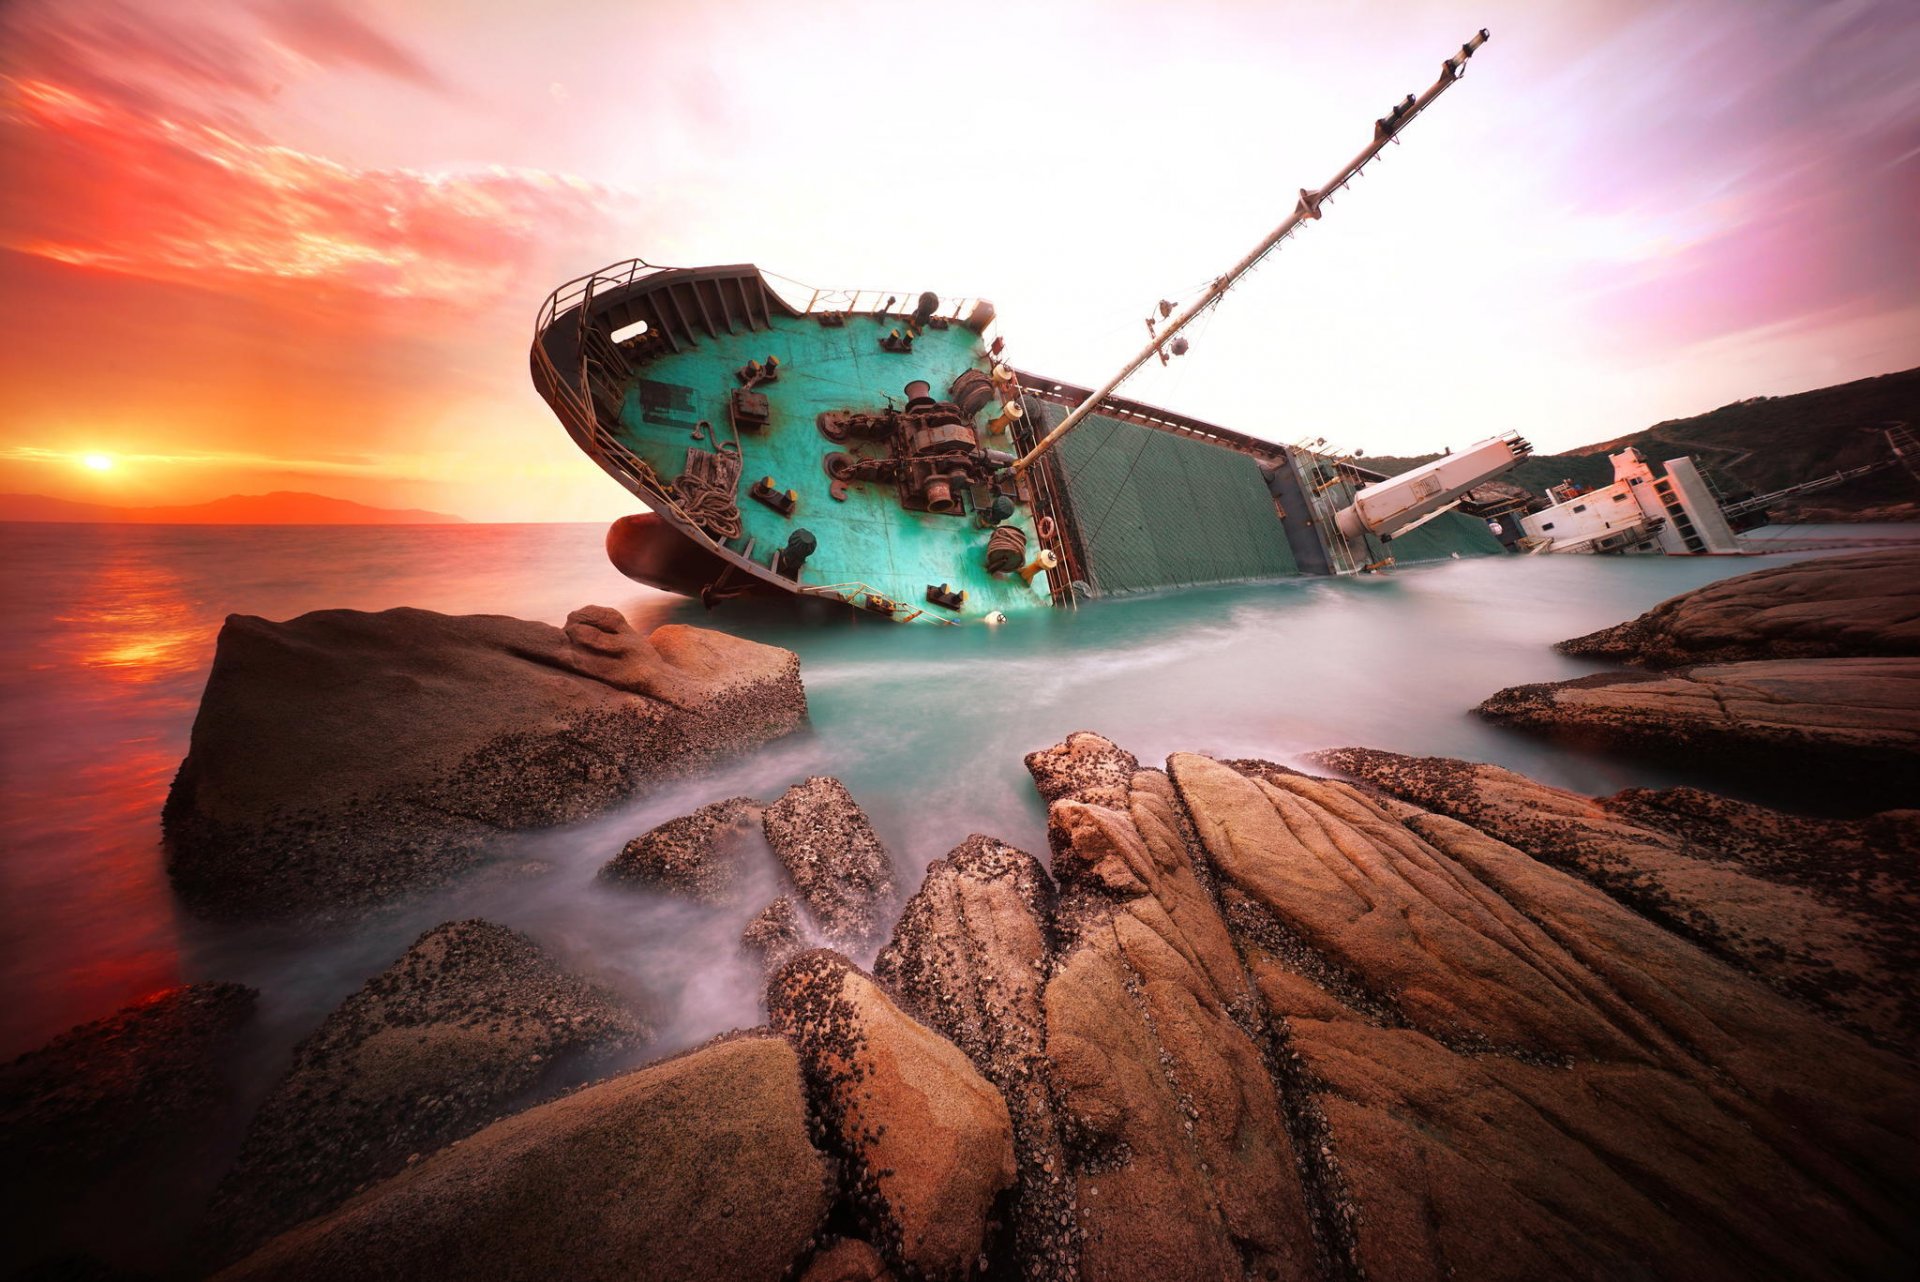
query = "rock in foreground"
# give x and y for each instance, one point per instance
(1847, 727)
(470, 1021)
(1505, 1073)
(1253, 1024)
(1826, 910)
(1829, 607)
(698, 1169)
(94, 1111)
(341, 758)
(927, 1139)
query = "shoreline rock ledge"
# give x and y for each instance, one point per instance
(342, 757)
(1802, 678)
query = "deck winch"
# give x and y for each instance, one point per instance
(933, 451)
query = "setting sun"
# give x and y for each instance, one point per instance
(97, 462)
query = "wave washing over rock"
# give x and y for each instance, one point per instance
(1252, 1023)
(1434, 1019)
(343, 758)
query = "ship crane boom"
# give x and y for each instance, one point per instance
(1399, 503)
(1386, 129)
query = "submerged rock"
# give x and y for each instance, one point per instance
(125, 1100)
(1848, 728)
(697, 855)
(471, 1021)
(834, 857)
(698, 1168)
(1826, 910)
(775, 934)
(341, 758)
(928, 1139)
(1829, 607)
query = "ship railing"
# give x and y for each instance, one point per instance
(881, 302)
(811, 300)
(581, 289)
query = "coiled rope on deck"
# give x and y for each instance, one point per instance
(1006, 549)
(706, 492)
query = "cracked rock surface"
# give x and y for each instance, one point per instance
(1825, 910)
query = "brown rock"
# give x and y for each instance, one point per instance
(776, 934)
(697, 855)
(1539, 1081)
(969, 958)
(1825, 910)
(1086, 767)
(1845, 730)
(129, 1100)
(1830, 607)
(929, 1140)
(1168, 1103)
(697, 1168)
(470, 1021)
(848, 1260)
(834, 857)
(342, 758)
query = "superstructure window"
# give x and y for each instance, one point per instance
(1580, 507)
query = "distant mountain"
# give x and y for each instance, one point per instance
(1766, 443)
(283, 507)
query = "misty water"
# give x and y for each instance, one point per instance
(108, 632)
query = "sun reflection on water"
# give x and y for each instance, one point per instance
(135, 620)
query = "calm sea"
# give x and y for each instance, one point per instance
(108, 631)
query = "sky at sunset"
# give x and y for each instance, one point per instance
(299, 244)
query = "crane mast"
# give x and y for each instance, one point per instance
(1385, 130)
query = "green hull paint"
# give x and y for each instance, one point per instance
(868, 542)
(1157, 510)
(1447, 535)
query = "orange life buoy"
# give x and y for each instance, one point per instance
(1045, 529)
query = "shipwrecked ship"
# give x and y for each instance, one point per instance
(880, 449)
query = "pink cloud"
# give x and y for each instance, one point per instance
(129, 150)
(330, 33)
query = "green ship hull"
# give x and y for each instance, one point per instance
(852, 447)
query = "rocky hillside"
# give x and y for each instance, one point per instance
(1765, 443)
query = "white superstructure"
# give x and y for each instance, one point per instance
(1676, 514)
